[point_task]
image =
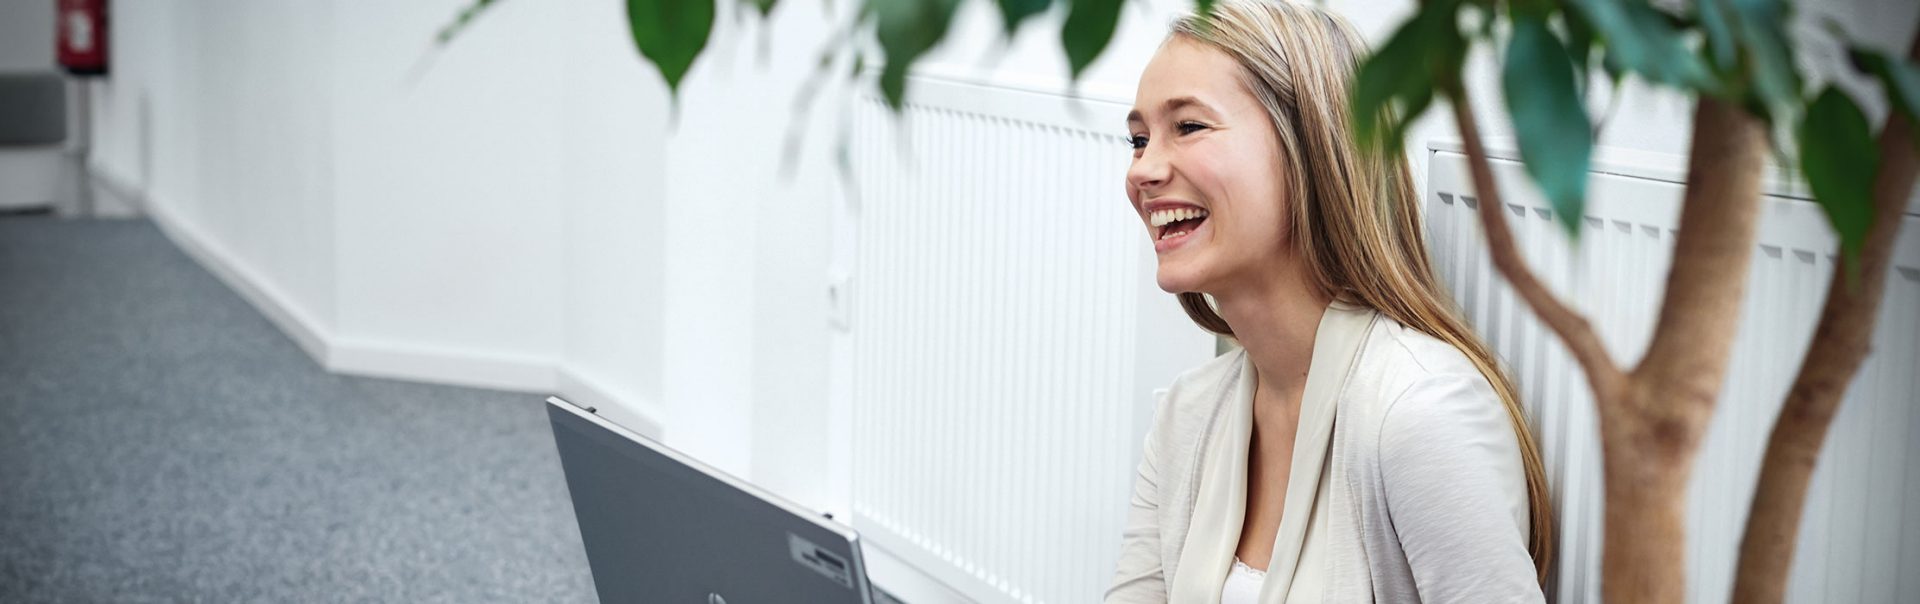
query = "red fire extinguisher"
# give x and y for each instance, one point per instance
(82, 37)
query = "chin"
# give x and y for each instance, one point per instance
(1187, 268)
(1177, 280)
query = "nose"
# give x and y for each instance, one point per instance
(1150, 170)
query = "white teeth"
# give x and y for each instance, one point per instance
(1161, 218)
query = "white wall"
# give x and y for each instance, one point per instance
(496, 212)
(150, 74)
(266, 109)
(449, 193)
(613, 176)
(793, 240)
(181, 108)
(401, 210)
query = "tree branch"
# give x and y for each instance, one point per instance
(1699, 315)
(1840, 345)
(1572, 327)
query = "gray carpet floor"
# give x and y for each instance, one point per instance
(160, 441)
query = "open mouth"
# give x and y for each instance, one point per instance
(1174, 223)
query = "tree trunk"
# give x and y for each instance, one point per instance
(1840, 345)
(1652, 419)
(1651, 431)
(1645, 530)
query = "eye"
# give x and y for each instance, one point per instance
(1191, 127)
(1137, 141)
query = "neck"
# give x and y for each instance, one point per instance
(1276, 321)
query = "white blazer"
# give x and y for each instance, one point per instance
(1406, 483)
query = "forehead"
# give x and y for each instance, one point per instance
(1184, 70)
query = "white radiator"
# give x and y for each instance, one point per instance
(1858, 541)
(1006, 338)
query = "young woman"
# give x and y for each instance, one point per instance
(1363, 445)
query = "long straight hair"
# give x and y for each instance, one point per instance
(1355, 220)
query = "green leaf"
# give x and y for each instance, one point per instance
(764, 6)
(1580, 45)
(1900, 79)
(1751, 55)
(1013, 12)
(1716, 19)
(461, 21)
(1489, 16)
(1839, 159)
(670, 33)
(1089, 27)
(1641, 39)
(1768, 51)
(1548, 117)
(1396, 83)
(1379, 82)
(907, 29)
(1411, 105)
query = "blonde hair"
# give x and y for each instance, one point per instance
(1355, 223)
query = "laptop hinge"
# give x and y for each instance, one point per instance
(577, 405)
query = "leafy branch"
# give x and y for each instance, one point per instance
(671, 34)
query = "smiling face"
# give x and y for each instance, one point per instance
(1207, 176)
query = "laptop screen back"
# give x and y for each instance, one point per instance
(659, 527)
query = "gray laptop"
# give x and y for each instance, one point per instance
(660, 526)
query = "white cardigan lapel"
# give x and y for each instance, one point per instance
(1335, 346)
(1220, 507)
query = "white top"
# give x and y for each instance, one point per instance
(1417, 492)
(1243, 584)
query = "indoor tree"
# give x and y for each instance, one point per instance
(1747, 86)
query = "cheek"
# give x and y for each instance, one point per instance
(1250, 199)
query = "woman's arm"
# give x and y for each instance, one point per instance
(1138, 578)
(1456, 492)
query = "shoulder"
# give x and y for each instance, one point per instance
(1415, 352)
(1423, 387)
(1432, 454)
(1440, 415)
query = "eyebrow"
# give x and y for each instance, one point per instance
(1170, 105)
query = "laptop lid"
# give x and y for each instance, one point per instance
(660, 526)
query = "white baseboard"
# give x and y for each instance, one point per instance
(366, 357)
(128, 194)
(357, 356)
(291, 318)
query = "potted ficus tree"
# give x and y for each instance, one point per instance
(1747, 85)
